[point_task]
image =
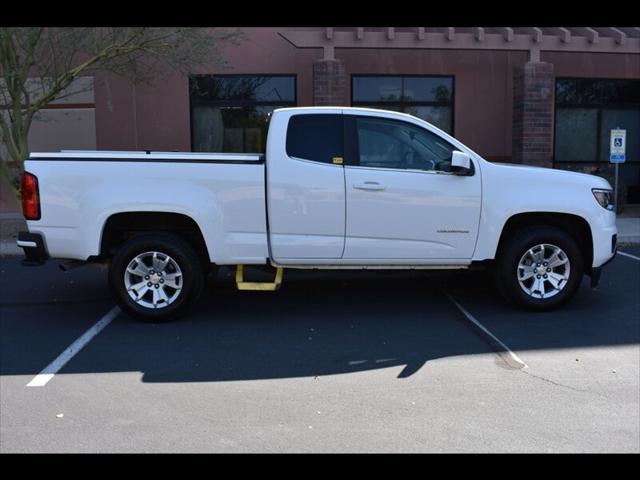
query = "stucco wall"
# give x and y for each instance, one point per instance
(157, 117)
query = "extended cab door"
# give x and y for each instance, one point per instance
(305, 185)
(403, 201)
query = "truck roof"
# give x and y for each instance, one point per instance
(338, 107)
(355, 111)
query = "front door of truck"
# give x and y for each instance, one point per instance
(305, 187)
(403, 201)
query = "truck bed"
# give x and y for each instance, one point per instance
(224, 193)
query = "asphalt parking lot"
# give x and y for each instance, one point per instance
(332, 362)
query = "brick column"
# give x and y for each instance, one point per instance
(329, 83)
(533, 98)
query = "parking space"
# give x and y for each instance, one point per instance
(44, 310)
(334, 361)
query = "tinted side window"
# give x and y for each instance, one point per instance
(392, 144)
(316, 137)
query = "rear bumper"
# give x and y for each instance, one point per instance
(35, 252)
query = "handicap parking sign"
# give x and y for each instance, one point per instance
(617, 149)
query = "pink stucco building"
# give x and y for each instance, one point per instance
(543, 96)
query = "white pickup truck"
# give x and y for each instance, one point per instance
(341, 188)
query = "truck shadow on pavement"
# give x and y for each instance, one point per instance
(328, 323)
(313, 327)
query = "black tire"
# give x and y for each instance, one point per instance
(513, 249)
(181, 252)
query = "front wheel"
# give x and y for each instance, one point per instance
(540, 268)
(155, 277)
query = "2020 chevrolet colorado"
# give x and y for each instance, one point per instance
(338, 188)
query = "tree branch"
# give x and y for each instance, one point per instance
(58, 56)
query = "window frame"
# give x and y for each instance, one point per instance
(598, 107)
(413, 103)
(352, 147)
(238, 104)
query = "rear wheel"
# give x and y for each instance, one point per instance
(540, 268)
(155, 277)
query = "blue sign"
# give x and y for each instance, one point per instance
(617, 146)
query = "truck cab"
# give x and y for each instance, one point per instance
(355, 186)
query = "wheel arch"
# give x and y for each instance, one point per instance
(574, 225)
(121, 226)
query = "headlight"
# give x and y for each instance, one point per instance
(603, 197)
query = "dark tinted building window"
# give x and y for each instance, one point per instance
(426, 97)
(587, 110)
(316, 137)
(230, 113)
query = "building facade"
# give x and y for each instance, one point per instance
(541, 96)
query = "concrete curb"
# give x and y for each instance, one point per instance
(628, 239)
(628, 229)
(10, 225)
(8, 248)
(11, 216)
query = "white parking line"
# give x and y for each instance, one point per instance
(473, 320)
(54, 367)
(628, 255)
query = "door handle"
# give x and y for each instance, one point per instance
(369, 186)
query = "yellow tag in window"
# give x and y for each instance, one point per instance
(337, 160)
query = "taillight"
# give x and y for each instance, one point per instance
(30, 196)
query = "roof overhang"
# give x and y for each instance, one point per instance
(529, 39)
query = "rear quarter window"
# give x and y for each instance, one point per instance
(316, 137)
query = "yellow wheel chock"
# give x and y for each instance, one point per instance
(263, 286)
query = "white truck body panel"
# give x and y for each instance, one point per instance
(514, 189)
(226, 200)
(296, 212)
(305, 200)
(444, 210)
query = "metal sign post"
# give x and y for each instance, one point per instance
(617, 156)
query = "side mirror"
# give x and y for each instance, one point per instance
(461, 163)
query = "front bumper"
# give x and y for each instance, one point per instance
(35, 252)
(597, 271)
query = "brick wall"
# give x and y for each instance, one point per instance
(329, 83)
(533, 106)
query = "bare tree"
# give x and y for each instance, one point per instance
(40, 65)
